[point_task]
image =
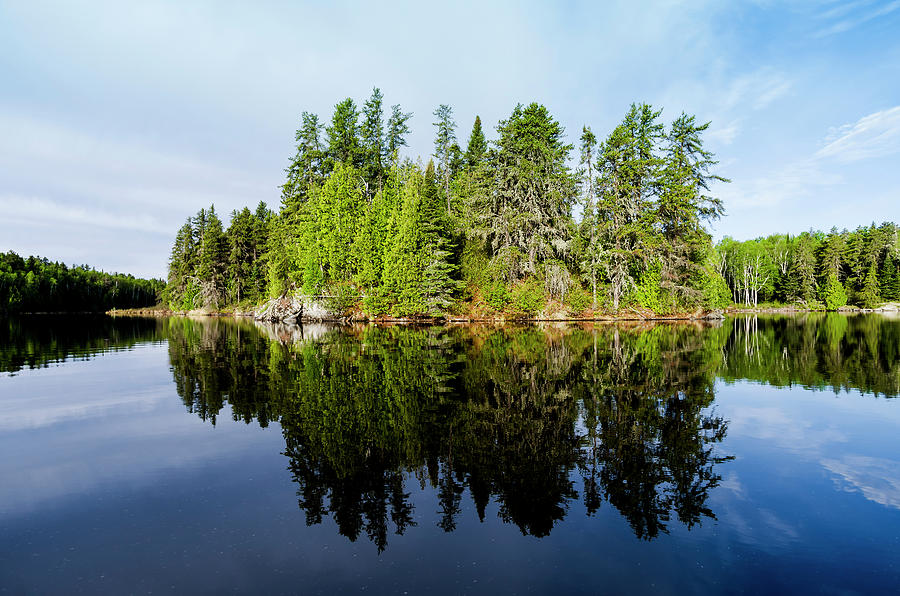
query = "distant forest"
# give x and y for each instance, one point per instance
(34, 284)
(506, 226)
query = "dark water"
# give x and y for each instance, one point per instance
(759, 455)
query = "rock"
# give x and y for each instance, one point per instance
(714, 314)
(291, 309)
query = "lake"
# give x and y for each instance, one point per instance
(759, 454)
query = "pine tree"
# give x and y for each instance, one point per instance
(397, 129)
(801, 275)
(524, 213)
(373, 145)
(181, 266)
(212, 260)
(868, 294)
(591, 250)
(890, 277)
(477, 146)
(343, 136)
(444, 138)
(684, 205)
(831, 255)
(629, 172)
(307, 168)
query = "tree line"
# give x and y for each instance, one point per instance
(37, 284)
(501, 226)
(860, 267)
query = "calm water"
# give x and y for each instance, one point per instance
(758, 455)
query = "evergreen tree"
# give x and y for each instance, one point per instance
(685, 205)
(591, 249)
(801, 284)
(524, 213)
(211, 263)
(477, 146)
(397, 129)
(868, 294)
(343, 136)
(889, 278)
(832, 293)
(373, 144)
(629, 172)
(831, 255)
(307, 168)
(438, 275)
(444, 139)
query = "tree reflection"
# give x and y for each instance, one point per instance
(508, 415)
(533, 420)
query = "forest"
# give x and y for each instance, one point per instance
(34, 284)
(508, 226)
(505, 226)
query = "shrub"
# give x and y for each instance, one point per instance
(345, 297)
(578, 299)
(647, 291)
(833, 294)
(715, 290)
(497, 296)
(528, 298)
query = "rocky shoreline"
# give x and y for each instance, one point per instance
(293, 309)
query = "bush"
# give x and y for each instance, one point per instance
(715, 291)
(345, 297)
(579, 299)
(377, 303)
(833, 294)
(647, 291)
(528, 298)
(497, 296)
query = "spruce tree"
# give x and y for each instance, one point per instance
(212, 260)
(397, 129)
(307, 168)
(868, 294)
(373, 145)
(438, 275)
(684, 205)
(629, 172)
(477, 146)
(524, 213)
(444, 139)
(343, 136)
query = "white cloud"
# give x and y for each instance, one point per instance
(877, 479)
(875, 135)
(32, 210)
(857, 18)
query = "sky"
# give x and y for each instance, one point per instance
(119, 120)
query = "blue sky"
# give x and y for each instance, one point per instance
(119, 120)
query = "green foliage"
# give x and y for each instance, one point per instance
(528, 297)
(832, 293)
(344, 297)
(868, 294)
(35, 284)
(716, 294)
(497, 295)
(578, 299)
(647, 292)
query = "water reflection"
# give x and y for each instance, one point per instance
(509, 415)
(530, 422)
(39, 341)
